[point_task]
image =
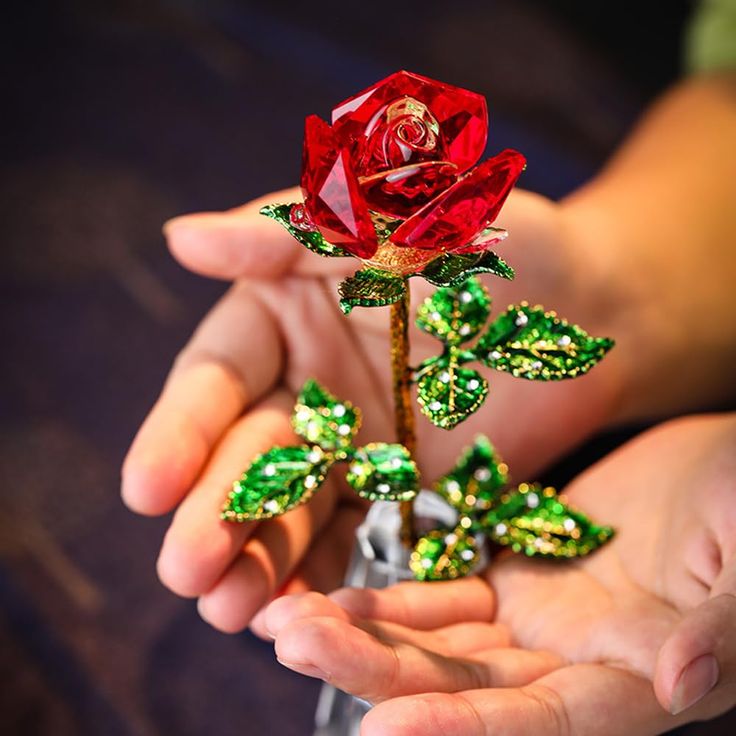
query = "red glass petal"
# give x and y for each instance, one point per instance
(404, 133)
(462, 115)
(332, 194)
(485, 240)
(401, 192)
(460, 213)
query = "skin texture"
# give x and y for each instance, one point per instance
(638, 253)
(559, 646)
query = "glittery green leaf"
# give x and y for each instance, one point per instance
(531, 343)
(276, 482)
(538, 522)
(452, 269)
(444, 554)
(370, 288)
(383, 472)
(449, 394)
(309, 239)
(455, 314)
(473, 485)
(323, 419)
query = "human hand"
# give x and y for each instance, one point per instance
(230, 393)
(561, 648)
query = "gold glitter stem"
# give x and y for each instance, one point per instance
(403, 407)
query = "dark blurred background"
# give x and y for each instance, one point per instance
(119, 115)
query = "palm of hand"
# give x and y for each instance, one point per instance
(231, 391)
(588, 637)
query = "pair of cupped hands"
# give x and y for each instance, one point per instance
(635, 639)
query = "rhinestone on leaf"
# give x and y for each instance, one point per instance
(482, 474)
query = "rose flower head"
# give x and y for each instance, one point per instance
(391, 181)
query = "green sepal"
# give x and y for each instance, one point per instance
(444, 554)
(452, 269)
(276, 482)
(455, 314)
(531, 343)
(448, 394)
(322, 419)
(309, 239)
(370, 288)
(538, 523)
(383, 472)
(473, 485)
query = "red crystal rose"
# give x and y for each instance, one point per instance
(390, 181)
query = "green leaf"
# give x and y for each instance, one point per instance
(473, 485)
(531, 343)
(383, 472)
(309, 239)
(323, 419)
(448, 394)
(444, 554)
(370, 288)
(454, 314)
(452, 269)
(276, 482)
(538, 522)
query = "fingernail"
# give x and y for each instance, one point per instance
(305, 669)
(695, 682)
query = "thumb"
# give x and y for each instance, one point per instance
(698, 660)
(241, 242)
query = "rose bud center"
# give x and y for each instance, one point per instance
(403, 160)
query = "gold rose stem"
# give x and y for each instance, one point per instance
(403, 407)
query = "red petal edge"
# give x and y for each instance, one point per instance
(452, 220)
(331, 192)
(461, 114)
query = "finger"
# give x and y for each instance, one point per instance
(199, 546)
(233, 359)
(571, 701)
(267, 559)
(422, 605)
(323, 566)
(357, 662)
(242, 242)
(698, 660)
(455, 640)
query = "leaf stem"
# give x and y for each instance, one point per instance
(403, 407)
